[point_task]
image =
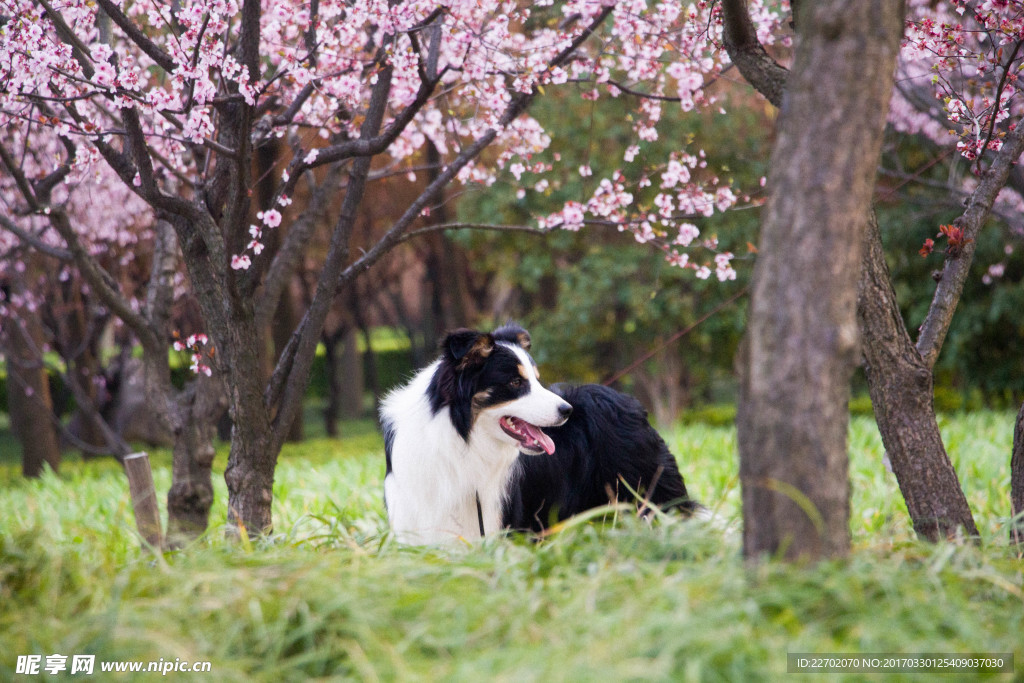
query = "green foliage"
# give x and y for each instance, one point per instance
(393, 364)
(596, 298)
(332, 596)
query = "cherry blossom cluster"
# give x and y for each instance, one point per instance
(470, 58)
(194, 345)
(969, 57)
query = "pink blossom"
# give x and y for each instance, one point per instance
(241, 262)
(271, 217)
(688, 232)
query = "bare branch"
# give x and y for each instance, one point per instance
(766, 75)
(33, 240)
(445, 227)
(20, 179)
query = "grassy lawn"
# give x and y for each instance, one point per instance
(332, 596)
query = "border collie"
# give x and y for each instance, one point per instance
(475, 443)
(605, 449)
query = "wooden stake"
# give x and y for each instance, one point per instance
(144, 502)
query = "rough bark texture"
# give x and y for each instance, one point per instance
(801, 342)
(747, 53)
(190, 497)
(900, 383)
(250, 470)
(1017, 479)
(28, 400)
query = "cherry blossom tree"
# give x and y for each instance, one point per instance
(99, 233)
(169, 103)
(160, 108)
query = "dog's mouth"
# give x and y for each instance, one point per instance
(530, 437)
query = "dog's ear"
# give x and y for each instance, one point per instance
(513, 333)
(467, 348)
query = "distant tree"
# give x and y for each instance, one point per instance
(28, 391)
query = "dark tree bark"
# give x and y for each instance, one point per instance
(190, 497)
(344, 371)
(350, 401)
(900, 372)
(1017, 480)
(190, 415)
(801, 342)
(332, 408)
(900, 384)
(77, 345)
(28, 398)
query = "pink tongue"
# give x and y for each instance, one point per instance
(542, 439)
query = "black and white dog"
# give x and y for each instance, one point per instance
(475, 443)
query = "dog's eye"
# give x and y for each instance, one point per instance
(516, 383)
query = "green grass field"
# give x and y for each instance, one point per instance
(331, 596)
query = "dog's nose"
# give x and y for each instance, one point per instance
(565, 410)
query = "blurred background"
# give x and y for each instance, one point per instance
(600, 306)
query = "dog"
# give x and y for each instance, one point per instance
(475, 444)
(607, 451)
(453, 434)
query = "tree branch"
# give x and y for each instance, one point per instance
(78, 49)
(133, 32)
(287, 257)
(34, 241)
(289, 379)
(766, 75)
(444, 227)
(955, 269)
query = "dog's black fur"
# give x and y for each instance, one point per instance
(607, 440)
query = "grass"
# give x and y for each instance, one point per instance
(332, 596)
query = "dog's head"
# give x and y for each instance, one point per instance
(489, 381)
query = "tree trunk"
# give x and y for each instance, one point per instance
(250, 470)
(1017, 480)
(903, 409)
(191, 494)
(801, 342)
(900, 384)
(351, 381)
(28, 398)
(332, 408)
(77, 342)
(286, 318)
